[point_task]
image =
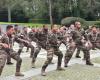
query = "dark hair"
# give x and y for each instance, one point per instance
(43, 26)
(16, 25)
(9, 27)
(93, 26)
(76, 22)
(24, 27)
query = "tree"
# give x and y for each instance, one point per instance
(9, 5)
(50, 12)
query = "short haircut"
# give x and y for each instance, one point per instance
(24, 27)
(44, 26)
(77, 22)
(15, 25)
(54, 25)
(9, 27)
(93, 26)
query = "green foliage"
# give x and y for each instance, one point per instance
(39, 9)
(70, 20)
(96, 23)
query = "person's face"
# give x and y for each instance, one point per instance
(55, 28)
(94, 30)
(25, 29)
(78, 25)
(11, 31)
(45, 28)
(72, 27)
(16, 28)
(62, 29)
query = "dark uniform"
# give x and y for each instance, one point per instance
(78, 49)
(77, 43)
(9, 52)
(84, 35)
(62, 37)
(17, 31)
(40, 38)
(24, 35)
(10, 39)
(94, 39)
(47, 41)
(24, 43)
(27, 38)
(52, 48)
(3, 56)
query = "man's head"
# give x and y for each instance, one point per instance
(9, 29)
(45, 28)
(62, 29)
(33, 30)
(77, 24)
(94, 29)
(25, 29)
(72, 26)
(54, 28)
(16, 27)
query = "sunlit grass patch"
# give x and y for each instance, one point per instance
(26, 65)
(76, 72)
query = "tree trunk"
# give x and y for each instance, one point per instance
(50, 12)
(9, 14)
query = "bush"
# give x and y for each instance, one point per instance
(70, 20)
(96, 23)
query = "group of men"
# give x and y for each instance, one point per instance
(49, 39)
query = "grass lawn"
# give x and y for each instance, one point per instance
(24, 24)
(10, 69)
(96, 60)
(82, 54)
(39, 24)
(75, 72)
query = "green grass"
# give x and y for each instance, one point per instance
(40, 24)
(25, 24)
(96, 60)
(10, 69)
(76, 72)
